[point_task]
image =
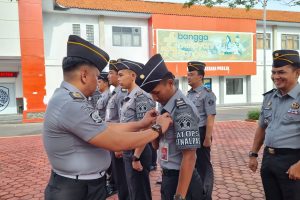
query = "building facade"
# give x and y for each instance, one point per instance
(229, 41)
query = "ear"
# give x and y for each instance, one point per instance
(83, 75)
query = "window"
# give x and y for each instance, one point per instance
(76, 29)
(90, 33)
(289, 41)
(260, 41)
(234, 86)
(126, 36)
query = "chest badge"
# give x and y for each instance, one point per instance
(295, 105)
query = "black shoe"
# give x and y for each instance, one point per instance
(153, 167)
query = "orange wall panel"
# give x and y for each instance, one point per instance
(32, 58)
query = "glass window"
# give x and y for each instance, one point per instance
(76, 29)
(260, 41)
(126, 36)
(90, 33)
(234, 86)
(289, 41)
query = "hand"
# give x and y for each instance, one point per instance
(207, 142)
(149, 118)
(165, 121)
(136, 165)
(294, 171)
(253, 163)
(119, 154)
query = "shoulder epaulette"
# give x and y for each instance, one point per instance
(273, 90)
(207, 89)
(180, 102)
(76, 95)
(139, 93)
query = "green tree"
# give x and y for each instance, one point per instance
(234, 3)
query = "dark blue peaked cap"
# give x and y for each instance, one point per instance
(78, 47)
(153, 72)
(195, 66)
(133, 66)
(285, 57)
(103, 76)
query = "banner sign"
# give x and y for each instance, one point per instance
(205, 46)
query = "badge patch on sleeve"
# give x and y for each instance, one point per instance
(211, 102)
(96, 117)
(186, 128)
(142, 106)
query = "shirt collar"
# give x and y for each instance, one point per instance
(71, 88)
(293, 93)
(171, 103)
(197, 89)
(131, 95)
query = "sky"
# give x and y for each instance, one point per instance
(272, 5)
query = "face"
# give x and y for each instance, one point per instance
(113, 77)
(89, 78)
(285, 77)
(193, 78)
(126, 78)
(102, 85)
(163, 92)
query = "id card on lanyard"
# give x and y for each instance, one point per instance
(164, 151)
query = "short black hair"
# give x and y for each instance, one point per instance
(71, 63)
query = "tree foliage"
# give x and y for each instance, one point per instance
(234, 3)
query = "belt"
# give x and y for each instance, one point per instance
(281, 151)
(170, 172)
(84, 177)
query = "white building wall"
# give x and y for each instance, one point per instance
(57, 28)
(139, 54)
(9, 31)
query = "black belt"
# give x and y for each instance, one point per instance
(170, 172)
(281, 151)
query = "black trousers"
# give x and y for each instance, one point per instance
(170, 182)
(138, 182)
(204, 166)
(118, 171)
(62, 188)
(277, 185)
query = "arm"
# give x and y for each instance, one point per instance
(257, 143)
(146, 122)
(116, 139)
(186, 171)
(209, 130)
(155, 143)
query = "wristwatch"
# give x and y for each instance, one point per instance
(135, 158)
(157, 128)
(178, 197)
(252, 154)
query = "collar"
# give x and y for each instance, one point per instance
(131, 95)
(197, 89)
(71, 88)
(116, 90)
(292, 93)
(171, 103)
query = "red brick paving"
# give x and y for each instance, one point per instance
(24, 168)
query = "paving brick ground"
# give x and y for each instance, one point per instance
(24, 168)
